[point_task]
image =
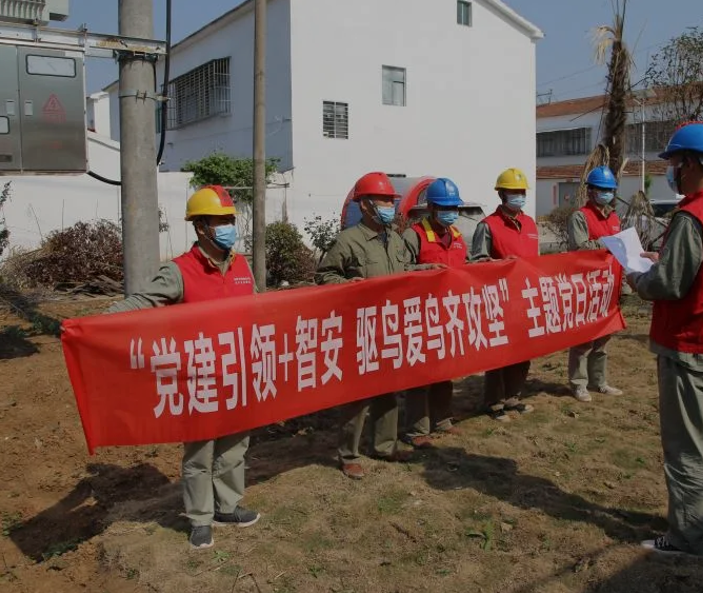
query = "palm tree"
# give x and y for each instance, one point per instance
(610, 40)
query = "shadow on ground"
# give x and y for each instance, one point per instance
(452, 468)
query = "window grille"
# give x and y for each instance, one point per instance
(335, 120)
(202, 93)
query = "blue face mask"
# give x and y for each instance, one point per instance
(603, 198)
(447, 217)
(225, 236)
(515, 201)
(671, 174)
(385, 215)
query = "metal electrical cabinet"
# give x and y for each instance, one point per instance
(42, 110)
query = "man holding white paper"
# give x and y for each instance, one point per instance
(675, 284)
(597, 219)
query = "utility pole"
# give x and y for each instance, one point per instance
(644, 145)
(140, 206)
(259, 214)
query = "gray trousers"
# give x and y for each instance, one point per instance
(384, 421)
(424, 405)
(500, 385)
(681, 420)
(213, 477)
(588, 364)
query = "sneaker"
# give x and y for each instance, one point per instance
(241, 517)
(661, 545)
(201, 537)
(607, 390)
(498, 414)
(581, 394)
(515, 405)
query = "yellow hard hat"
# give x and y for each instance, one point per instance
(512, 179)
(211, 200)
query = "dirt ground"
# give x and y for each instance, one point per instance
(553, 502)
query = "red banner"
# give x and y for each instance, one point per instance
(203, 370)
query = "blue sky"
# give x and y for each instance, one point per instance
(564, 57)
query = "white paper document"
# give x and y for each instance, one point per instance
(627, 247)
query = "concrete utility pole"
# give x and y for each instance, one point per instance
(140, 205)
(259, 214)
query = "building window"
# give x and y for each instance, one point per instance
(335, 120)
(199, 94)
(564, 142)
(656, 136)
(394, 86)
(463, 13)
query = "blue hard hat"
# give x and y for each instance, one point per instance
(443, 192)
(687, 137)
(602, 177)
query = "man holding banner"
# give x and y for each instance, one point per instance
(675, 284)
(508, 233)
(588, 362)
(434, 240)
(370, 249)
(213, 470)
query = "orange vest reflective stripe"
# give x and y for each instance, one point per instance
(433, 251)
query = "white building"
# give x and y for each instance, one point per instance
(567, 132)
(409, 87)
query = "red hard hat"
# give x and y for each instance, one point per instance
(374, 184)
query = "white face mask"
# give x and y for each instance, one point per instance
(515, 201)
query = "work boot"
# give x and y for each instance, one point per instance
(240, 517)
(419, 442)
(606, 390)
(201, 537)
(352, 470)
(581, 394)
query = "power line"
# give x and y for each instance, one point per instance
(595, 66)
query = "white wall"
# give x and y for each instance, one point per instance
(234, 37)
(470, 97)
(98, 113)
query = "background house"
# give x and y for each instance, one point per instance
(409, 87)
(567, 132)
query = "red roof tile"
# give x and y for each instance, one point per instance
(574, 171)
(581, 106)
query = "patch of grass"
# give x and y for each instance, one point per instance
(132, 573)
(11, 522)
(486, 534)
(392, 503)
(289, 517)
(626, 459)
(284, 585)
(316, 571)
(220, 556)
(232, 570)
(59, 549)
(316, 542)
(193, 564)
